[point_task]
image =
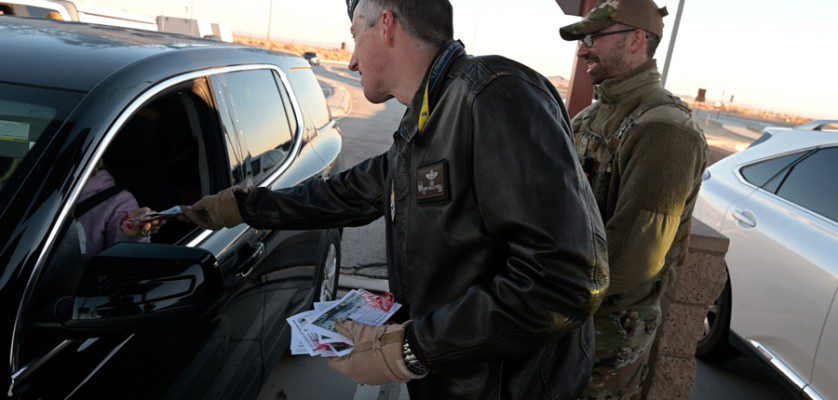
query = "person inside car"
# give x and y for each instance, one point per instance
(109, 214)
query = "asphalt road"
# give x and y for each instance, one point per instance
(367, 131)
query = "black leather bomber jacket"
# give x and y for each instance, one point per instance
(495, 244)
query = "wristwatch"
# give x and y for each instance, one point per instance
(411, 361)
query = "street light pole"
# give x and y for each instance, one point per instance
(672, 42)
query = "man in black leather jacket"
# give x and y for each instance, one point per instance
(495, 245)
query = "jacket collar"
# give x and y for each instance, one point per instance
(409, 125)
(612, 90)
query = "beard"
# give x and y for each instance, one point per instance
(609, 66)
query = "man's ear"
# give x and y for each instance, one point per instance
(388, 26)
(638, 41)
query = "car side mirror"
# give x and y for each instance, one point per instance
(140, 286)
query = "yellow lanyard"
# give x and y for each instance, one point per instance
(425, 114)
(437, 69)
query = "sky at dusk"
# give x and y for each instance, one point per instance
(772, 54)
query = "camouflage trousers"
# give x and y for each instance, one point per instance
(623, 342)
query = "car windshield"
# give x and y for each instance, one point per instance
(28, 115)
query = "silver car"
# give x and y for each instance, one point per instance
(777, 202)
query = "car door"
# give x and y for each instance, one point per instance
(217, 355)
(264, 124)
(825, 378)
(782, 261)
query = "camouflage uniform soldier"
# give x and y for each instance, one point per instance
(644, 157)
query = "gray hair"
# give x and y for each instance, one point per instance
(430, 21)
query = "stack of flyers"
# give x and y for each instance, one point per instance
(313, 332)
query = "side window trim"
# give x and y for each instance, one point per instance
(99, 152)
(231, 139)
(298, 133)
(286, 102)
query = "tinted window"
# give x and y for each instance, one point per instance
(310, 96)
(27, 116)
(760, 173)
(252, 111)
(813, 183)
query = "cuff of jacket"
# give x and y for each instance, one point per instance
(414, 346)
(241, 202)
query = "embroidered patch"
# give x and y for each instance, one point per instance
(432, 182)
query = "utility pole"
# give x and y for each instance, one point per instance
(270, 13)
(672, 42)
(473, 43)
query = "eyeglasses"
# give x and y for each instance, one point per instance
(588, 40)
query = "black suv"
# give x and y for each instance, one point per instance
(193, 314)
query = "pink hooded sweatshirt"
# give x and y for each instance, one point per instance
(102, 223)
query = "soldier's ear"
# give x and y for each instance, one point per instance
(637, 41)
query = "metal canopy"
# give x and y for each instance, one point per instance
(572, 7)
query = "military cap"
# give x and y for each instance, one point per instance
(641, 14)
(350, 7)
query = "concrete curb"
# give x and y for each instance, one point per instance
(362, 282)
(390, 391)
(340, 102)
(343, 63)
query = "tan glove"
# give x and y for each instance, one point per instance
(377, 357)
(215, 211)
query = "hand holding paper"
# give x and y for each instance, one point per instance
(315, 332)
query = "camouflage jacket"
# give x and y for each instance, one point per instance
(644, 157)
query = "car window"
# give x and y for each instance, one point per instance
(310, 96)
(813, 184)
(760, 173)
(29, 11)
(251, 105)
(27, 116)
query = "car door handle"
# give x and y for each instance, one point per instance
(246, 267)
(745, 217)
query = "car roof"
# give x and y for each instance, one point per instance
(782, 141)
(799, 137)
(76, 56)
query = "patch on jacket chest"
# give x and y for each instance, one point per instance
(432, 182)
